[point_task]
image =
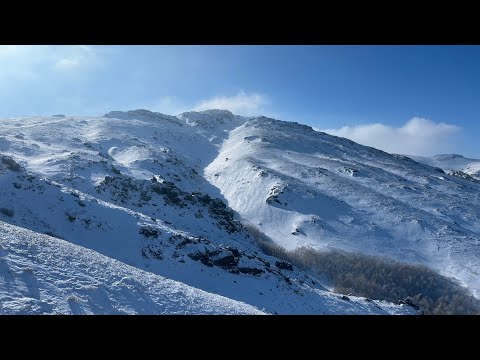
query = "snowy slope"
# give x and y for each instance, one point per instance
(302, 187)
(40, 274)
(451, 162)
(131, 186)
(44, 275)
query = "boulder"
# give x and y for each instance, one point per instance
(284, 265)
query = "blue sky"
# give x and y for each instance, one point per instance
(407, 99)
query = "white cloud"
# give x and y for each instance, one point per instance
(66, 64)
(240, 104)
(33, 61)
(76, 56)
(417, 137)
(86, 48)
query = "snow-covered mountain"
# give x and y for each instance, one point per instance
(140, 191)
(302, 187)
(452, 163)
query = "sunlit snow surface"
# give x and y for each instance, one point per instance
(103, 183)
(452, 162)
(43, 275)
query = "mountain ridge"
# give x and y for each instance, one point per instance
(451, 163)
(172, 195)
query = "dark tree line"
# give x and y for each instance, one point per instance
(379, 278)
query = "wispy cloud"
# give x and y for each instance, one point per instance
(248, 104)
(34, 77)
(75, 57)
(66, 64)
(417, 136)
(20, 61)
(242, 104)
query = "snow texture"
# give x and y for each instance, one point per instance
(452, 162)
(43, 275)
(158, 197)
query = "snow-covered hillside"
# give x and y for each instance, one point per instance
(302, 187)
(131, 186)
(451, 162)
(40, 274)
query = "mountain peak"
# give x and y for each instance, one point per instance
(140, 114)
(216, 112)
(210, 119)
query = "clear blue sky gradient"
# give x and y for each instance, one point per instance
(323, 86)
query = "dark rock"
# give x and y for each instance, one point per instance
(71, 218)
(227, 261)
(10, 163)
(284, 265)
(272, 199)
(171, 194)
(251, 271)
(409, 302)
(149, 232)
(7, 212)
(184, 242)
(152, 252)
(212, 253)
(204, 258)
(345, 297)
(217, 210)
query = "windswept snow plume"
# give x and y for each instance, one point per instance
(242, 103)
